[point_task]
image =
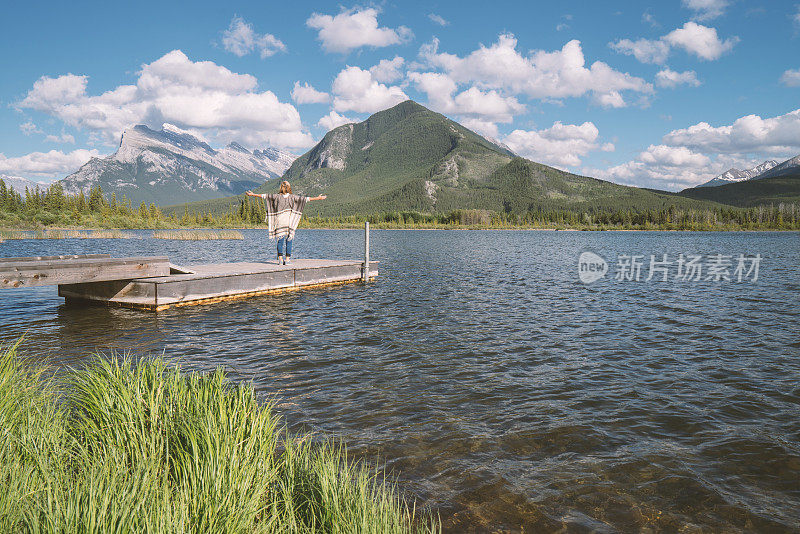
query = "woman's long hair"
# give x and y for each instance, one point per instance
(285, 187)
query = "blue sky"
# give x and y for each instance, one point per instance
(658, 94)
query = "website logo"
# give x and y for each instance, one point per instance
(591, 267)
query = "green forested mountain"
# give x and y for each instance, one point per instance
(761, 191)
(410, 158)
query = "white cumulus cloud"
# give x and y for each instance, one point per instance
(46, 164)
(645, 50)
(29, 128)
(539, 74)
(487, 129)
(662, 167)
(479, 110)
(488, 105)
(670, 78)
(648, 18)
(224, 105)
(706, 9)
(474, 103)
(388, 70)
(791, 78)
(306, 94)
(696, 39)
(562, 145)
(748, 134)
(60, 138)
(438, 86)
(240, 39)
(438, 19)
(671, 168)
(611, 99)
(671, 156)
(356, 89)
(690, 156)
(700, 40)
(333, 119)
(353, 29)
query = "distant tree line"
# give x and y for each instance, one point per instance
(54, 207)
(784, 216)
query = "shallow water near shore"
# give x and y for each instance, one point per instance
(499, 389)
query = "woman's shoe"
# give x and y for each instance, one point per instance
(287, 261)
(280, 260)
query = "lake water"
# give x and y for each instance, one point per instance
(498, 388)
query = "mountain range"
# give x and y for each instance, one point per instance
(410, 158)
(19, 184)
(774, 190)
(735, 175)
(171, 166)
(780, 183)
(403, 158)
(790, 167)
(768, 169)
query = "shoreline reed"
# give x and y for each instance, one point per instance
(198, 235)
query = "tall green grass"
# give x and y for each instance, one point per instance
(108, 234)
(55, 233)
(125, 446)
(197, 235)
(6, 233)
(48, 233)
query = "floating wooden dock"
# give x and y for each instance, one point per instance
(207, 284)
(152, 283)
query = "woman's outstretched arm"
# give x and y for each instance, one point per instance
(251, 194)
(321, 197)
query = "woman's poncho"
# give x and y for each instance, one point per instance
(283, 213)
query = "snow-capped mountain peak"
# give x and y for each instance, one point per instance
(764, 167)
(173, 165)
(236, 146)
(168, 128)
(788, 167)
(140, 138)
(19, 184)
(735, 175)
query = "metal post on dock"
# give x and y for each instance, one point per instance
(366, 252)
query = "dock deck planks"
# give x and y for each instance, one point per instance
(56, 270)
